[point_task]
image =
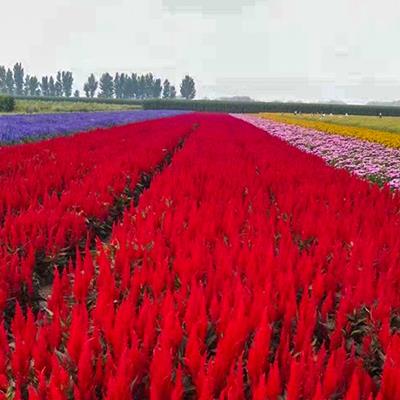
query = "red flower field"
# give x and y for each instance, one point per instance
(194, 257)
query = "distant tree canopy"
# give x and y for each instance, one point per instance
(172, 92)
(90, 86)
(34, 87)
(44, 86)
(14, 81)
(67, 80)
(52, 87)
(188, 88)
(9, 82)
(18, 79)
(26, 85)
(3, 72)
(166, 89)
(157, 89)
(133, 86)
(58, 86)
(106, 86)
(119, 82)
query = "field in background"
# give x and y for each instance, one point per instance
(18, 128)
(40, 106)
(231, 106)
(271, 107)
(368, 153)
(383, 137)
(389, 124)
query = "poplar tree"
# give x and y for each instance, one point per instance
(18, 79)
(166, 89)
(44, 86)
(58, 85)
(10, 82)
(3, 87)
(106, 85)
(91, 86)
(67, 81)
(188, 88)
(52, 87)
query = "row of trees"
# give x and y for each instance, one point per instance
(120, 86)
(124, 86)
(134, 86)
(15, 82)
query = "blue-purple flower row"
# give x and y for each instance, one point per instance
(20, 128)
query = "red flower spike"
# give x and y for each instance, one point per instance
(259, 351)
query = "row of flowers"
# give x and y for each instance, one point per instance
(389, 139)
(20, 128)
(366, 159)
(68, 189)
(248, 270)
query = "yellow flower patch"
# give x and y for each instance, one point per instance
(388, 139)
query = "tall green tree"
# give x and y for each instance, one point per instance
(124, 78)
(157, 89)
(34, 89)
(127, 89)
(26, 85)
(18, 79)
(91, 86)
(67, 82)
(129, 86)
(86, 89)
(133, 88)
(119, 85)
(3, 87)
(149, 85)
(166, 89)
(172, 92)
(44, 86)
(106, 85)
(76, 94)
(188, 88)
(141, 87)
(10, 82)
(52, 87)
(58, 85)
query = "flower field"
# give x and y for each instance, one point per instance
(196, 257)
(366, 159)
(386, 138)
(47, 217)
(20, 128)
(382, 123)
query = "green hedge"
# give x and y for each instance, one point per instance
(7, 103)
(255, 107)
(236, 107)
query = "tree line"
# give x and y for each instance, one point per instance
(120, 86)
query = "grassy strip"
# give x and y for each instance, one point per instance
(37, 106)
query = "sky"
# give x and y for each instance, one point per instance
(308, 50)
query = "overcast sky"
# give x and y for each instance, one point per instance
(266, 49)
